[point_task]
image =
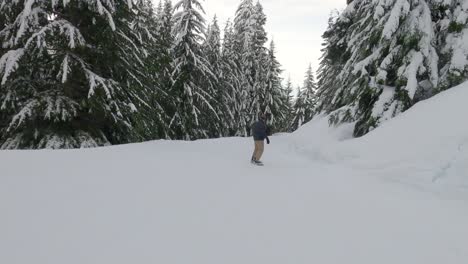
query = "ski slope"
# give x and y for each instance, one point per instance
(398, 195)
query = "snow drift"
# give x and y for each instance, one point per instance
(426, 146)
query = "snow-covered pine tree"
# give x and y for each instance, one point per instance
(262, 56)
(393, 54)
(334, 57)
(7, 15)
(68, 78)
(451, 24)
(274, 99)
(243, 21)
(160, 60)
(195, 109)
(159, 11)
(298, 111)
(153, 120)
(245, 55)
(306, 100)
(235, 94)
(250, 43)
(259, 28)
(165, 41)
(289, 102)
(212, 44)
(212, 52)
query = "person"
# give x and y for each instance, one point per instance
(260, 132)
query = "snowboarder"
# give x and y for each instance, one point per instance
(260, 132)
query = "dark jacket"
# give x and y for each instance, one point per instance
(259, 130)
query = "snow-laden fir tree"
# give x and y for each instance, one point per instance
(245, 58)
(306, 101)
(230, 80)
(450, 19)
(273, 98)
(194, 111)
(289, 102)
(243, 22)
(381, 57)
(212, 52)
(250, 40)
(89, 73)
(262, 56)
(145, 32)
(71, 74)
(165, 41)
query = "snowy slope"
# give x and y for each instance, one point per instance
(322, 198)
(430, 153)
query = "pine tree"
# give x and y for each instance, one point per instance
(334, 57)
(259, 27)
(235, 95)
(382, 57)
(250, 39)
(194, 112)
(289, 102)
(212, 45)
(91, 73)
(212, 52)
(451, 23)
(7, 15)
(160, 62)
(298, 111)
(71, 75)
(153, 118)
(306, 101)
(262, 56)
(159, 11)
(274, 98)
(245, 59)
(242, 24)
(165, 43)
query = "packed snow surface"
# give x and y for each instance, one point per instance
(398, 195)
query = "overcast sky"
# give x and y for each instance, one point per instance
(295, 25)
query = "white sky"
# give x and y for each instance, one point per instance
(295, 25)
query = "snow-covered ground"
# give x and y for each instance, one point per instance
(398, 195)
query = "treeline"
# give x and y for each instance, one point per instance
(92, 73)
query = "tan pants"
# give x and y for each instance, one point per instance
(258, 152)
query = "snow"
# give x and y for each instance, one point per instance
(65, 69)
(397, 195)
(459, 45)
(96, 81)
(417, 59)
(24, 18)
(400, 8)
(361, 66)
(9, 63)
(380, 106)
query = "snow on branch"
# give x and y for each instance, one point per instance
(25, 18)
(9, 63)
(65, 69)
(400, 8)
(361, 66)
(96, 81)
(71, 32)
(60, 108)
(416, 61)
(25, 113)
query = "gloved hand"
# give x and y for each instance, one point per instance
(268, 140)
